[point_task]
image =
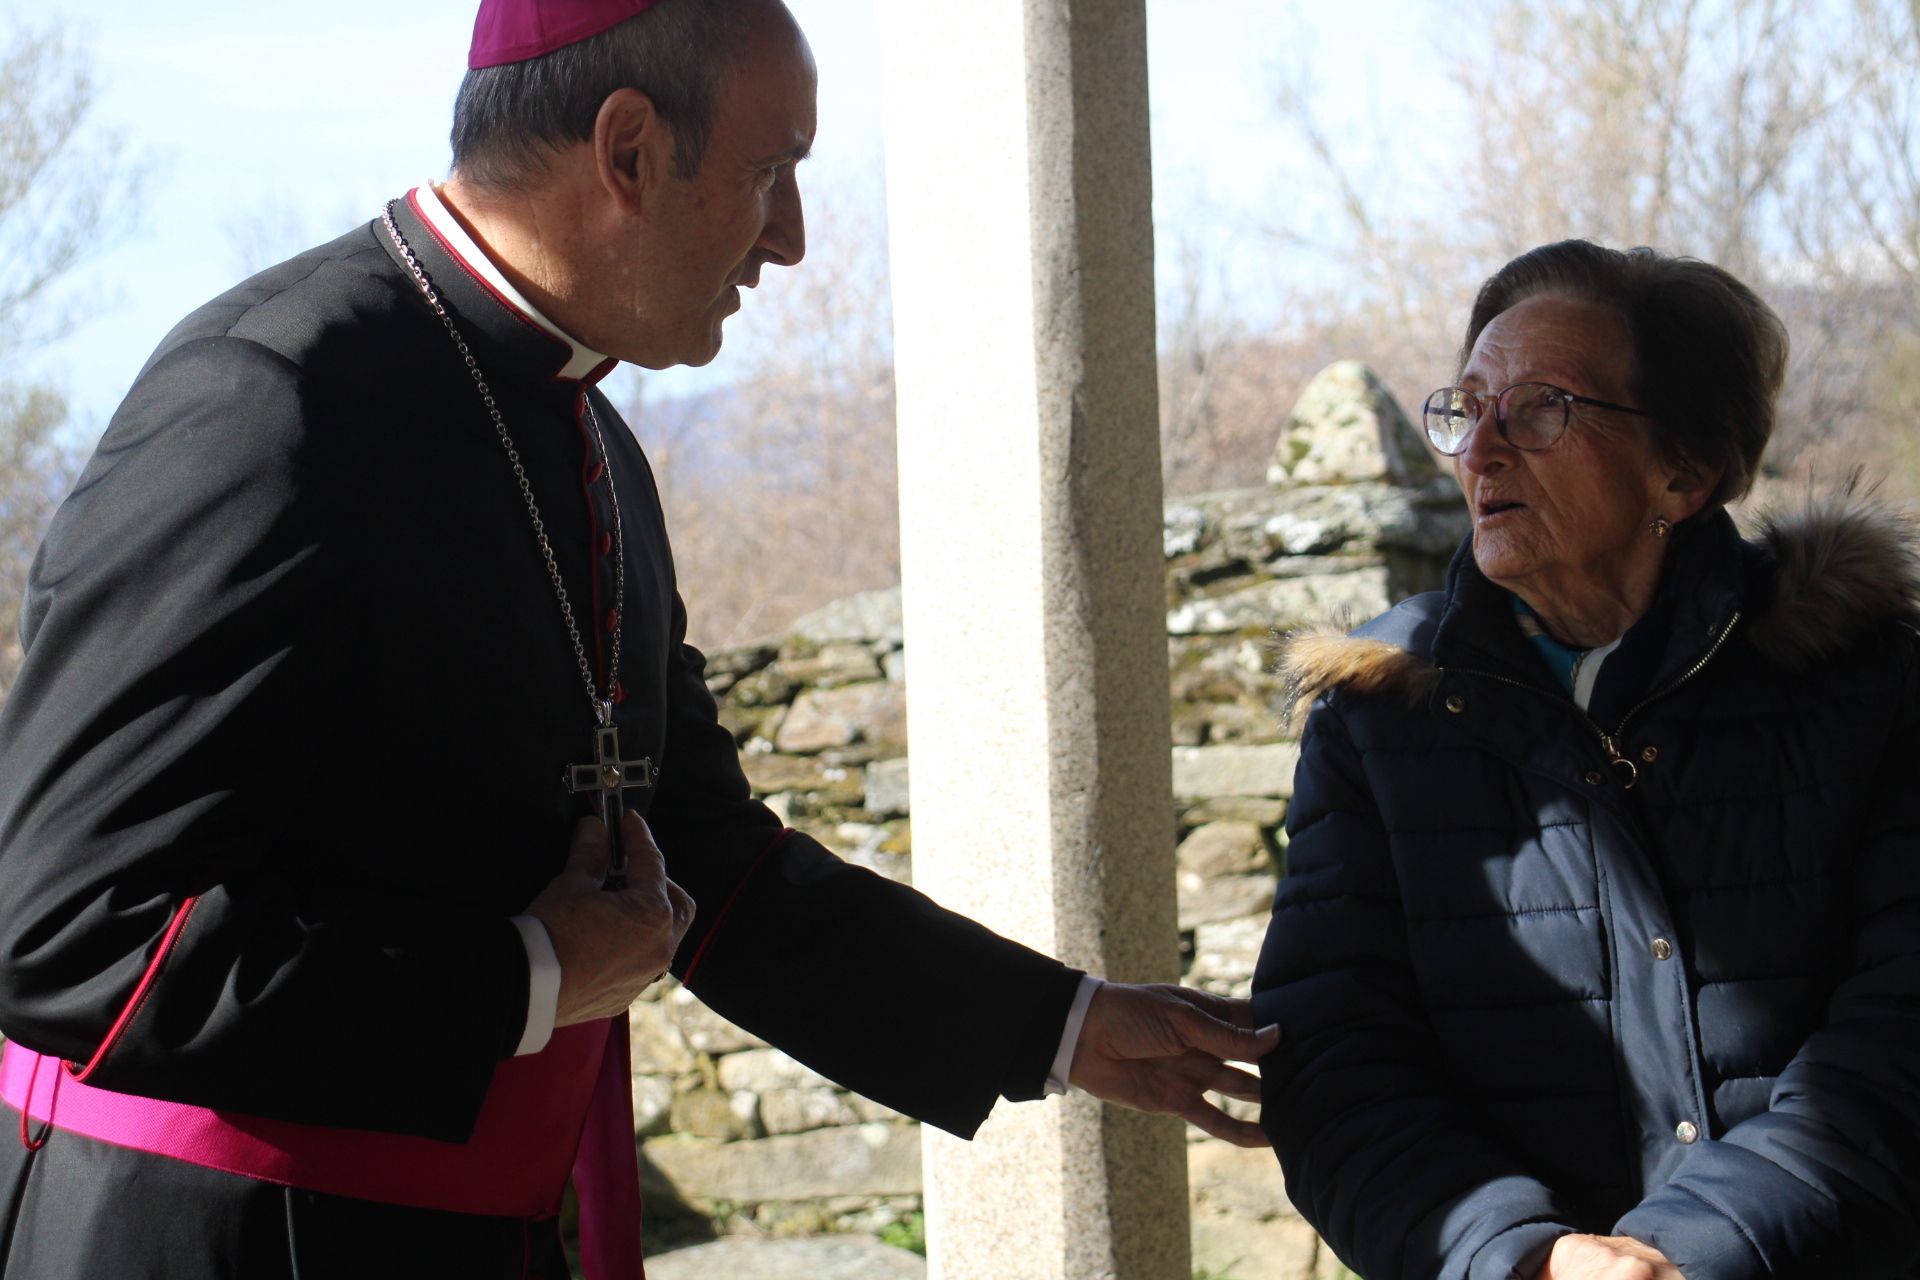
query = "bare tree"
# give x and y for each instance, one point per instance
(1776, 139)
(277, 225)
(62, 193)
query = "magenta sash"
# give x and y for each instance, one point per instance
(571, 1099)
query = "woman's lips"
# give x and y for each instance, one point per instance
(1494, 511)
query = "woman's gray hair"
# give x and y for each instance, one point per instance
(1709, 357)
(508, 119)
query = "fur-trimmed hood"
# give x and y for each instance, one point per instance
(1834, 567)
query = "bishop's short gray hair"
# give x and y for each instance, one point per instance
(508, 119)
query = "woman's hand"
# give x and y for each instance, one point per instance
(1606, 1258)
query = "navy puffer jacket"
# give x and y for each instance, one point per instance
(1658, 978)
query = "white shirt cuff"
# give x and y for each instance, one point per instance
(1070, 1035)
(543, 985)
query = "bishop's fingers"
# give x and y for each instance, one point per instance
(1234, 1083)
(586, 855)
(1216, 1123)
(1229, 1009)
(644, 863)
(1224, 1040)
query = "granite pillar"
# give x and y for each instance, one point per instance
(1019, 193)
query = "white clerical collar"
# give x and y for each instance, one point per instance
(584, 361)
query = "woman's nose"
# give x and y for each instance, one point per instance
(1487, 449)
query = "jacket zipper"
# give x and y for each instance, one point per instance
(1609, 742)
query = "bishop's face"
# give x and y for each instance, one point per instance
(700, 240)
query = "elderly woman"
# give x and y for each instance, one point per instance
(1599, 948)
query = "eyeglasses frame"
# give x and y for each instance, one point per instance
(1496, 402)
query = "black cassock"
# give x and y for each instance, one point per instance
(292, 651)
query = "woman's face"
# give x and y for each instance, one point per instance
(1576, 515)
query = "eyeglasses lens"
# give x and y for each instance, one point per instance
(1536, 415)
(1532, 416)
(1448, 416)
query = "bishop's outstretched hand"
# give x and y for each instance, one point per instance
(611, 943)
(1161, 1048)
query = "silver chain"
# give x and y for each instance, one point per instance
(602, 707)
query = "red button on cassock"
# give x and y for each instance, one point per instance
(613, 620)
(619, 692)
(606, 544)
(599, 469)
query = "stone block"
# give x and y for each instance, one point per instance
(710, 1113)
(1218, 671)
(652, 1105)
(1242, 1222)
(887, 793)
(1242, 1250)
(1204, 901)
(759, 1070)
(1346, 426)
(803, 1110)
(1351, 598)
(1242, 539)
(726, 667)
(873, 712)
(1257, 810)
(1191, 724)
(1212, 570)
(1224, 953)
(1233, 722)
(659, 1048)
(1320, 566)
(1182, 530)
(871, 1112)
(772, 774)
(1298, 534)
(1240, 1181)
(739, 662)
(1321, 519)
(706, 1031)
(894, 665)
(747, 723)
(1225, 848)
(1433, 522)
(767, 688)
(860, 753)
(1205, 773)
(862, 1160)
(836, 664)
(817, 1258)
(868, 618)
(858, 840)
(1205, 685)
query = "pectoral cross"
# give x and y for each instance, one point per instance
(608, 777)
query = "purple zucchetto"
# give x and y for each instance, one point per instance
(515, 30)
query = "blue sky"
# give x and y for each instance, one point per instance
(271, 126)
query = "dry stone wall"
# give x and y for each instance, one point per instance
(737, 1137)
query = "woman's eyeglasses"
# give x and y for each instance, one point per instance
(1529, 415)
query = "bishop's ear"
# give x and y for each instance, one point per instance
(632, 147)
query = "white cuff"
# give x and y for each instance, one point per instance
(543, 985)
(1070, 1035)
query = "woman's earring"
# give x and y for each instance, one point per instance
(1660, 528)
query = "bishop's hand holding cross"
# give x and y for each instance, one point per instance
(611, 943)
(608, 777)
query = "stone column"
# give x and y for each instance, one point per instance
(1019, 191)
